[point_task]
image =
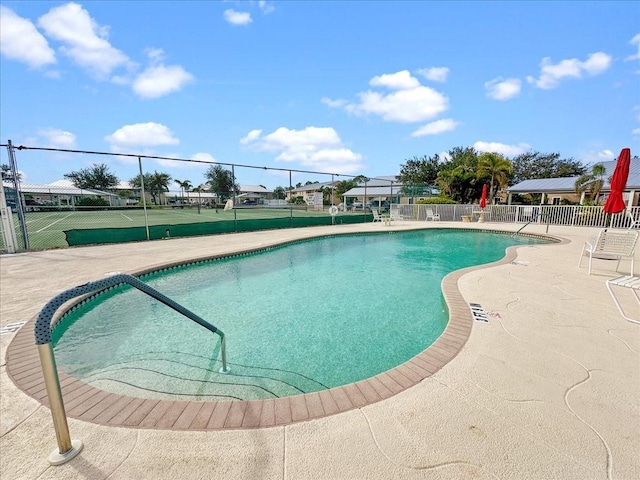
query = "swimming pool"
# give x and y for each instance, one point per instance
(298, 318)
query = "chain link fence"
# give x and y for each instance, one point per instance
(60, 198)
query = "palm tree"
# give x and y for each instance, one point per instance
(158, 183)
(185, 186)
(592, 183)
(445, 181)
(497, 168)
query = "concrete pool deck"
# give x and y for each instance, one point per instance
(548, 388)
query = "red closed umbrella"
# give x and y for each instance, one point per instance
(483, 198)
(615, 203)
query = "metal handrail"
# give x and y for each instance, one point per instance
(67, 448)
(535, 217)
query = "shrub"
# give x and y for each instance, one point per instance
(92, 202)
(436, 200)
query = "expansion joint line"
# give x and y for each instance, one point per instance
(566, 395)
(438, 466)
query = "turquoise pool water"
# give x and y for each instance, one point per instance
(298, 318)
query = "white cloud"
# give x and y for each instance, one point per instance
(401, 80)
(435, 74)
(21, 41)
(501, 148)
(84, 41)
(149, 134)
(501, 89)
(266, 7)
(56, 138)
(251, 136)
(592, 157)
(203, 157)
(237, 18)
(333, 103)
(314, 147)
(159, 80)
(634, 41)
(411, 102)
(550, 74)
(635, 132)
(435, 128)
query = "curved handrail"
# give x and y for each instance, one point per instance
(43, 322)
(535, 217)
(67, 448)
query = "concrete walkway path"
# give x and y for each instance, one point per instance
(549, 388)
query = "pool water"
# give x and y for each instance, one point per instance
(298, 318)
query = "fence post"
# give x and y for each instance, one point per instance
(19, 200)
(144, 198)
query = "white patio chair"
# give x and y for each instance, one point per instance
(630, 282)
(434, 217)
(611, 245)
(376, 216)
(394, 216)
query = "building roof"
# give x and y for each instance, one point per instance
(254, 189)
(381, 181)
(373, 191)
(567, 184)
(312, 187)
(59, 188)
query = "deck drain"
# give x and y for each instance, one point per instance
(11, 328)
(478, 313)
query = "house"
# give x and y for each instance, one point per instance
(62, 193)
(310, 192)
(555, 190)
(389, 189)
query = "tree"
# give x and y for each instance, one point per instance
(344, 186)
(184, 187)
(279, 193)
(221, 182)
(592, 183)
(159, 182)
(97, 177)
(532, 165)
(155, 183)
(420, 170)
(457, 177)
(495, 167)
(7, 174)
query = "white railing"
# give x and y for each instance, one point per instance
(571, 215)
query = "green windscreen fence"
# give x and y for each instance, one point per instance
(93, 236)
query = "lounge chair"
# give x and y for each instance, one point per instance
(394, 216)
(611, 245)
(626, 282)
(434, 217)
(634, 223)
(376, 216)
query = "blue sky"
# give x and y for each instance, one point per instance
(351, 87)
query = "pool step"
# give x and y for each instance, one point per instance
(180, 375)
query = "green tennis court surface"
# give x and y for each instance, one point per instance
(62, 228)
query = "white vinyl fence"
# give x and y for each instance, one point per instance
(571, 215)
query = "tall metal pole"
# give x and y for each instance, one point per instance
(8, 229)
(233, 189)
(67, 448)
(144, 198)
(19, 200)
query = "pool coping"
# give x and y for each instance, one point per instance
(90, 404)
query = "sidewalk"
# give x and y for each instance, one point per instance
(549, 388)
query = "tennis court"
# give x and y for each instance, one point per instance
(46, 228)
